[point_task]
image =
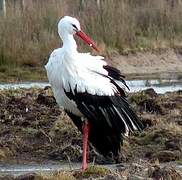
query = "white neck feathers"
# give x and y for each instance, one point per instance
(69, 43)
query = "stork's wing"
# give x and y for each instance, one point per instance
(110, 117)
(115, 74)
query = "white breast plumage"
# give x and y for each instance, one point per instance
(64, 73)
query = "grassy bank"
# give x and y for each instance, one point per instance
(29, 34)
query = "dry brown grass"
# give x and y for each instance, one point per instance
(27, 37)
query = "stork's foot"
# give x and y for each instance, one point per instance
(84, 166)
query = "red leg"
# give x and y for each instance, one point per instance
(86, 129)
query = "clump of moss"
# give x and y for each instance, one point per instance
(93, 171)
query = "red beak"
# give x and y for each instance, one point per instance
(87, 39)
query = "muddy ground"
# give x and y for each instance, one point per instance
(34, 129)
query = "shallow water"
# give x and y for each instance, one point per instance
(25, 85)
(19, 169)
(48, 167)
(160, 86)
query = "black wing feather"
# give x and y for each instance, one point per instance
(107, 116)
(76, 120)
(115, 74)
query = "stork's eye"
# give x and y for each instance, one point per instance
(74, 26)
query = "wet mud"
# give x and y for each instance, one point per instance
(34, 129)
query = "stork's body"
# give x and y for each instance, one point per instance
(87, 88)
(67, 73)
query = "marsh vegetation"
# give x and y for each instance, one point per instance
(29, 34)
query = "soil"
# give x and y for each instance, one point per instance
(34, 129)
(159, 64)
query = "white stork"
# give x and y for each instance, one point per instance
(89, 91)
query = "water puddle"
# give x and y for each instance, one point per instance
(49, 167)
(25, 85)
(160, 86)
(21, 169)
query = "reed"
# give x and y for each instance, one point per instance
(28, 36)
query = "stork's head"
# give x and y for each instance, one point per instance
(71, 26)
(68, 25)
